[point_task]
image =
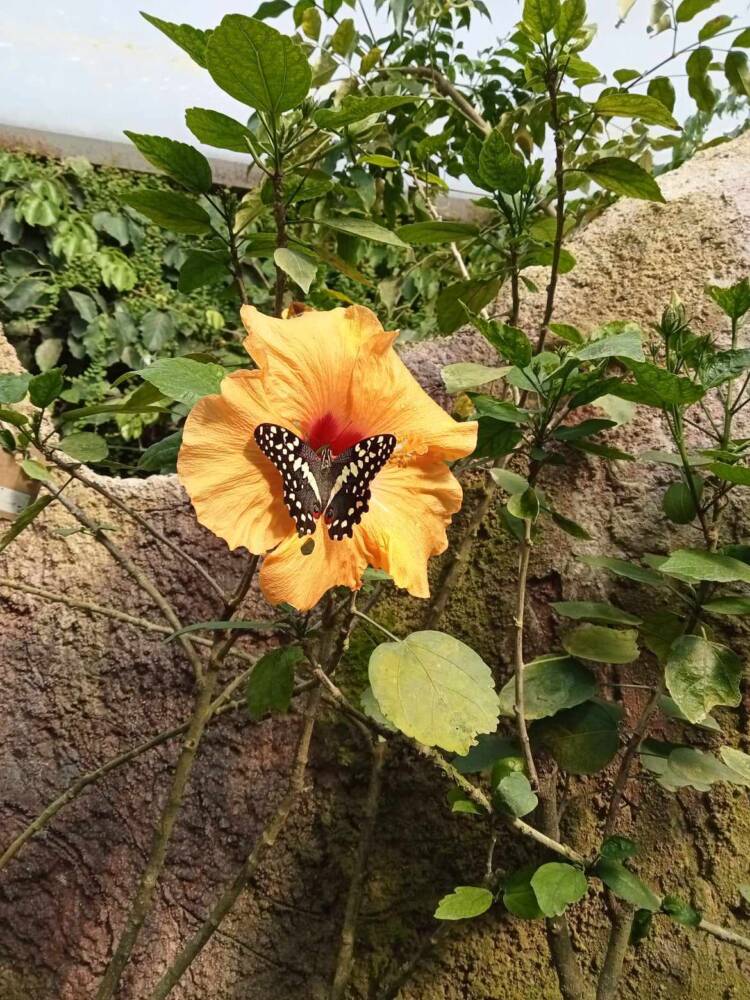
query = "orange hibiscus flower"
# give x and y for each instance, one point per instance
(329, 454)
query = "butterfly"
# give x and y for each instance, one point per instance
(316, 484)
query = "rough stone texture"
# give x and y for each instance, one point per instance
(78, 688)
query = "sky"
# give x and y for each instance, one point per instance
(95, 67)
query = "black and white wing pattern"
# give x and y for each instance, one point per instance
(299, 467)
(352, 472)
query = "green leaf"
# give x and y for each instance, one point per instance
(585, 428)
(23, 520)
(670, 708)
(572, 528)
(571, 19)
(723, 366)
(381, 160)
(714, 26)
(728, 606)
(203, 267)
(344, 38)
(489, 748)
(355, 109)
(621, 567)
(658, 387)
(701, 674)
(524, 506)
(551, 683)
(509, 481)
(602, 644)
(465, 375)
(627, 105)
(680, 912)
(232, 625)
(371, 708)
(678, 504)
(216, 129)
(697, 564)
(434, 688)
(583, 739)
(422, 234)
(508, 341)
(515, 795)
(495, 438)
(490, 406)
(85, 446)
(556, 885)
(619, 345)
(734, 300)
(191, 40)
(617, 848)
(662, 89)
(180, 161)
(624, 177)
(299, 266)
(13, 388)
(45, 388)
(455, 299)
(465, 902)
(363, 228)
(170, 210)
(738, 762)
(36, 471)
(13, 417)
(162, 456)
(742, 40)
(271, 684)
(257, 65)
(737, 72)
(626, 885)
(183, 379)
(687, 10)
(500, 168)
(518, 896)
(595, 611)
(541, 16)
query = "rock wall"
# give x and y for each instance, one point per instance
(79, 688)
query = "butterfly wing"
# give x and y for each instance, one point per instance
(352, 473)
(299, 467)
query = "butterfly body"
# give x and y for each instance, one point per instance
(317, 483)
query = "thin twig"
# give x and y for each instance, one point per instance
(141, 902)
(345, 959)
(519, 665)
(263, 844)
(444, 86)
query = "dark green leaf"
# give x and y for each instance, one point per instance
(678, 503)
(737, 72)
(624, 177)
(697, 564)
(257, 65)
(626, 885)
(426, 233)
(571, 19)
(595, 611)
(714, 26)
(508, 341)
(728, 606)
(363, 228)
(203, 267)
(495, 438)
(162, 456)
(551, 683)
(584, 429)
(271, 684)
(180, 161)
(687, 10)
(45, 388)
(219, 130)
(355, 109)
(524, 506)
(23, 520)
(541, 16)
(662, 89)
(518, 896)
(509, 481)
(455, 299)
(515, 795)
(489, 748)
(617, 848)
(500, 168)
(627, 344)
(661, 387)
(621, 567)
(734, 300)
(680, 912)
(583, 739)
(170, 210)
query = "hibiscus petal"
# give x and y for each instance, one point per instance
(235, 490)
(387, 399)
(307, 360)
(301, 580)
(410, 509)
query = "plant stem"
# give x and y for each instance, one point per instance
(519, 705)
(553, 82)
(263, 844)
(141, 902)
(377, 625)
(444, 87)
(343, 971)
(279, 214)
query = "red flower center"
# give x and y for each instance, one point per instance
(329, 431)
